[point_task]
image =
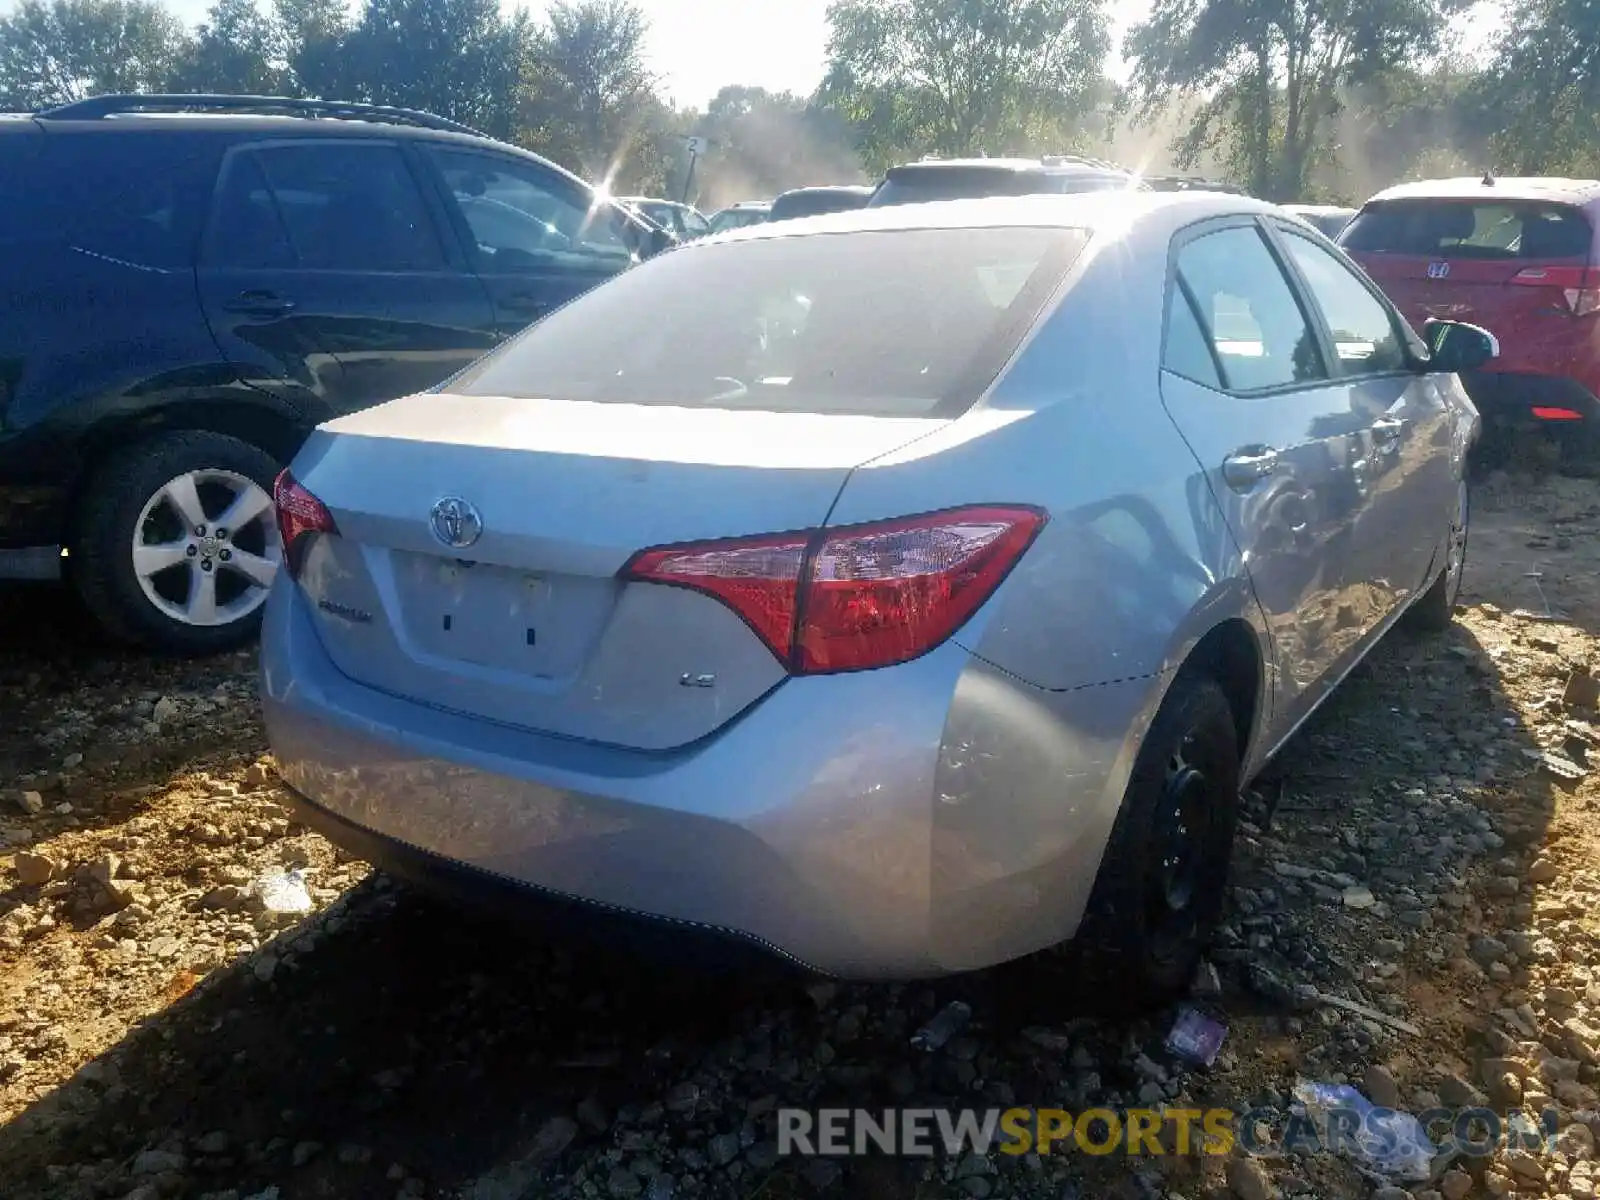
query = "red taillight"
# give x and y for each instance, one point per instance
(1575, 283)
(1556, 414)
(299, 513)
(856, 596)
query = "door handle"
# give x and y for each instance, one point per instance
(1248, 466)
(1387, 429)
(261, 304)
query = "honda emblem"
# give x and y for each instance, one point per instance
(1438, 270)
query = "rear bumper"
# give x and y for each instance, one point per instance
(36, 476)
(933, 817)
(1520, 399)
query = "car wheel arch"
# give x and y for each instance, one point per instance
(268, 428)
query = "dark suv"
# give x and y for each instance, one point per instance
(189, 284)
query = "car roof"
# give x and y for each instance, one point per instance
(1570, 191)
(1086, 210)
(1032, 166)
(828, 189)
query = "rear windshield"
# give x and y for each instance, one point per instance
(906, 322)
(814, 204)
(1461, 229)
(920, 185)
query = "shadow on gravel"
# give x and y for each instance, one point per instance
(67, 690)
(399, 1046)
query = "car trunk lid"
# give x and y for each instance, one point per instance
(523, 619)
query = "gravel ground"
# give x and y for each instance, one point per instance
(164, 1033)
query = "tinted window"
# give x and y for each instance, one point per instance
(1469, 229)
(814, 204)
(139, 197)
(1248, 311)
(246, 230)
(522, 218)
(347, 207)
(900, 323)
(1188, 352)
(1364, 336)
(694, 224)
(917, 185)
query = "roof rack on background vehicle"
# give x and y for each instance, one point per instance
(106, 106)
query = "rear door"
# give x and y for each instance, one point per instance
(1398, 426)
(324, 270)
(1506, 264)
(1245, 381)
(534, 237)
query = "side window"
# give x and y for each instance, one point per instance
(1188, 352)
(346, 207)
(1365, 339)
(246, 231)
(1248, 311)
(139, 198)
(694, 224)
(523, 220)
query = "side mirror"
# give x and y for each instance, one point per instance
(1458, 346)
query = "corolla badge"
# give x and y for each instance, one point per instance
(1438, 270)
(455, 522)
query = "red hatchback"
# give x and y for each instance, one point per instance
(1516, 256)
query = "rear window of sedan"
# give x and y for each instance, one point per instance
(918, 185)
(906, 323)
(1462, 229)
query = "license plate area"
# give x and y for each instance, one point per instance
(498, 617)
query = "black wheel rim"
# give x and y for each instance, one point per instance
(1179, 850)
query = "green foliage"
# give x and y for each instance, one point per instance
(955, 77)
(1272, 75)
(69, 49)
(238, 51)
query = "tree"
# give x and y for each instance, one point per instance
(591, 99)
(1269, 74)
(238, 51)
(961, 76)
(312, 34)
(1542, 92)
(766, 142)
(70, 49)
(457, 58)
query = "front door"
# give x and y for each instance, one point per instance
(1245, 381)
(536, 240)
(1402, 421)
(325, 270)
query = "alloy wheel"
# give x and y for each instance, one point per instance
(205, 547)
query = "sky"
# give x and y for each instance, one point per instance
(699, 46)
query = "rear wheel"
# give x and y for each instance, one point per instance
(176, 542)
(1435, 609)
(1159, 893)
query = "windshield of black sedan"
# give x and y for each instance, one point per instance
(906, 322)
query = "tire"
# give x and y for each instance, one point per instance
(1435, 610)
(156, 597)
(1146, 927)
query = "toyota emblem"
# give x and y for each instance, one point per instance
(455, 522)
(1438, 270)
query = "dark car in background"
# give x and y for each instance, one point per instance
(1327, 219)
(815, 201)
(188, 285)
(737, 216)
(975, 178)
(1519, 257)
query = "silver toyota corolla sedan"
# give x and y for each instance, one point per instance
(920, 603)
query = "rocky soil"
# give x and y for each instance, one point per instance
(1426, 850)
